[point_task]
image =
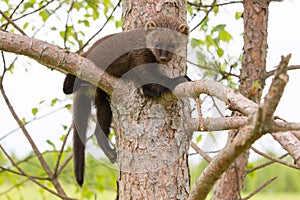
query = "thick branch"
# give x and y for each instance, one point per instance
(56, 58)
(233, 99)
(227, 123)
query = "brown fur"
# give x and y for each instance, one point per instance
(159, 49)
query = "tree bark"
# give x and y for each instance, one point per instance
(252, 81)
(152, 141)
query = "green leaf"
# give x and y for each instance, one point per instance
(209, 41)
(23, 120)
(85, 22)
(28, 5)
(11, 68)
(118, 23)
(64, 127)
(34, 111)
(62, 34)
(250, 166)
(25, 25)
(44, 14)
(216, 9)
(225, 36)
(218, 28)
(198, 138)
(51, 144)
(68, 106)
(238, 15)
(196, 42)
(220, 52)
(54, 101)
(63, 137)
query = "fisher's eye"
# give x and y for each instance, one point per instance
(172, 46)
(157, 46)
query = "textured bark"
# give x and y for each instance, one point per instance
(254, 70)
(152, 141)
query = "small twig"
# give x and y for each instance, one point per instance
(206, 15)
(16, 8)
(291, 67)
(204, 155)
(211, 68)
(67, 21)
(61, 152)
(64, 164)
(260, 188)
(275, 159)
(217, 107)
(265, 164)
(21, 174)
(40, 8)
(31, 156)
(107, 20)
(213, 5)
(10, 21)
(30, 178)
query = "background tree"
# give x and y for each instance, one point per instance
(252, 82)
(163, 152)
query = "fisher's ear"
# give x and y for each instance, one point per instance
(150, 25)
(183, 28)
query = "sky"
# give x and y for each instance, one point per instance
(26, 88)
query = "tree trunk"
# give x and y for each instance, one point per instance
(252, 81)
(152, 142)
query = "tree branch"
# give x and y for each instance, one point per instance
(12, 22)
(248, 134)
(260, 188)
(204, 155)
(57, 58)
(291, 67)
(213, 5)
(265, 164)
(278, 160)
(62, 196)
